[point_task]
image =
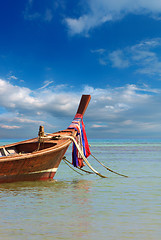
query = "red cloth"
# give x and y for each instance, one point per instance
(81, 139)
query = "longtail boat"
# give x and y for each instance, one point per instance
(37, 158)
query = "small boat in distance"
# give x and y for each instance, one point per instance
(37, 158)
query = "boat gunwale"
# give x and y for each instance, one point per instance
(14, 157)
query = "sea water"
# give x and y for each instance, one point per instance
(86, 206)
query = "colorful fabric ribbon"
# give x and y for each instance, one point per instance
(81, 139)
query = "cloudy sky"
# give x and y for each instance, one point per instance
(53, 51)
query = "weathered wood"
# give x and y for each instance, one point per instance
(35, 160)
(83, 104)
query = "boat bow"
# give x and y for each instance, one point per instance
(37, 158)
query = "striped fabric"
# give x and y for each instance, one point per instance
(81, 139)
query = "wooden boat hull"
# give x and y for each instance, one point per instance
(40, 165)
(28, 177)
(38, 158)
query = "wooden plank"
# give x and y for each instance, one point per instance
(83, 104)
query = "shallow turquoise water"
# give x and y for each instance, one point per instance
(87, 207)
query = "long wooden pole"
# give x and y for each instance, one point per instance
(83, 104)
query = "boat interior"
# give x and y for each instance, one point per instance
(23, 148)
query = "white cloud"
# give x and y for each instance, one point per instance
(101, 11)
(98, 126)
(118, 60)
(12, 77)
(46, 84)
(9, 127)
(129, 110)
(26, 100)
(42, 12)
(143, 57)
(125, 111)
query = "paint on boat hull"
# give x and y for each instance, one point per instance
(41, 166)
(39, 176)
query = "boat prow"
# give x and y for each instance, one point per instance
(37, 158)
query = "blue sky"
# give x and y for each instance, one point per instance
(52, 52)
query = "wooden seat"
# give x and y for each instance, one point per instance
(11, 150)
(3, 152)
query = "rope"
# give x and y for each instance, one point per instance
(107, 167)
(66, 162)
(64, 158)
(84, 158)
(97, 161)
